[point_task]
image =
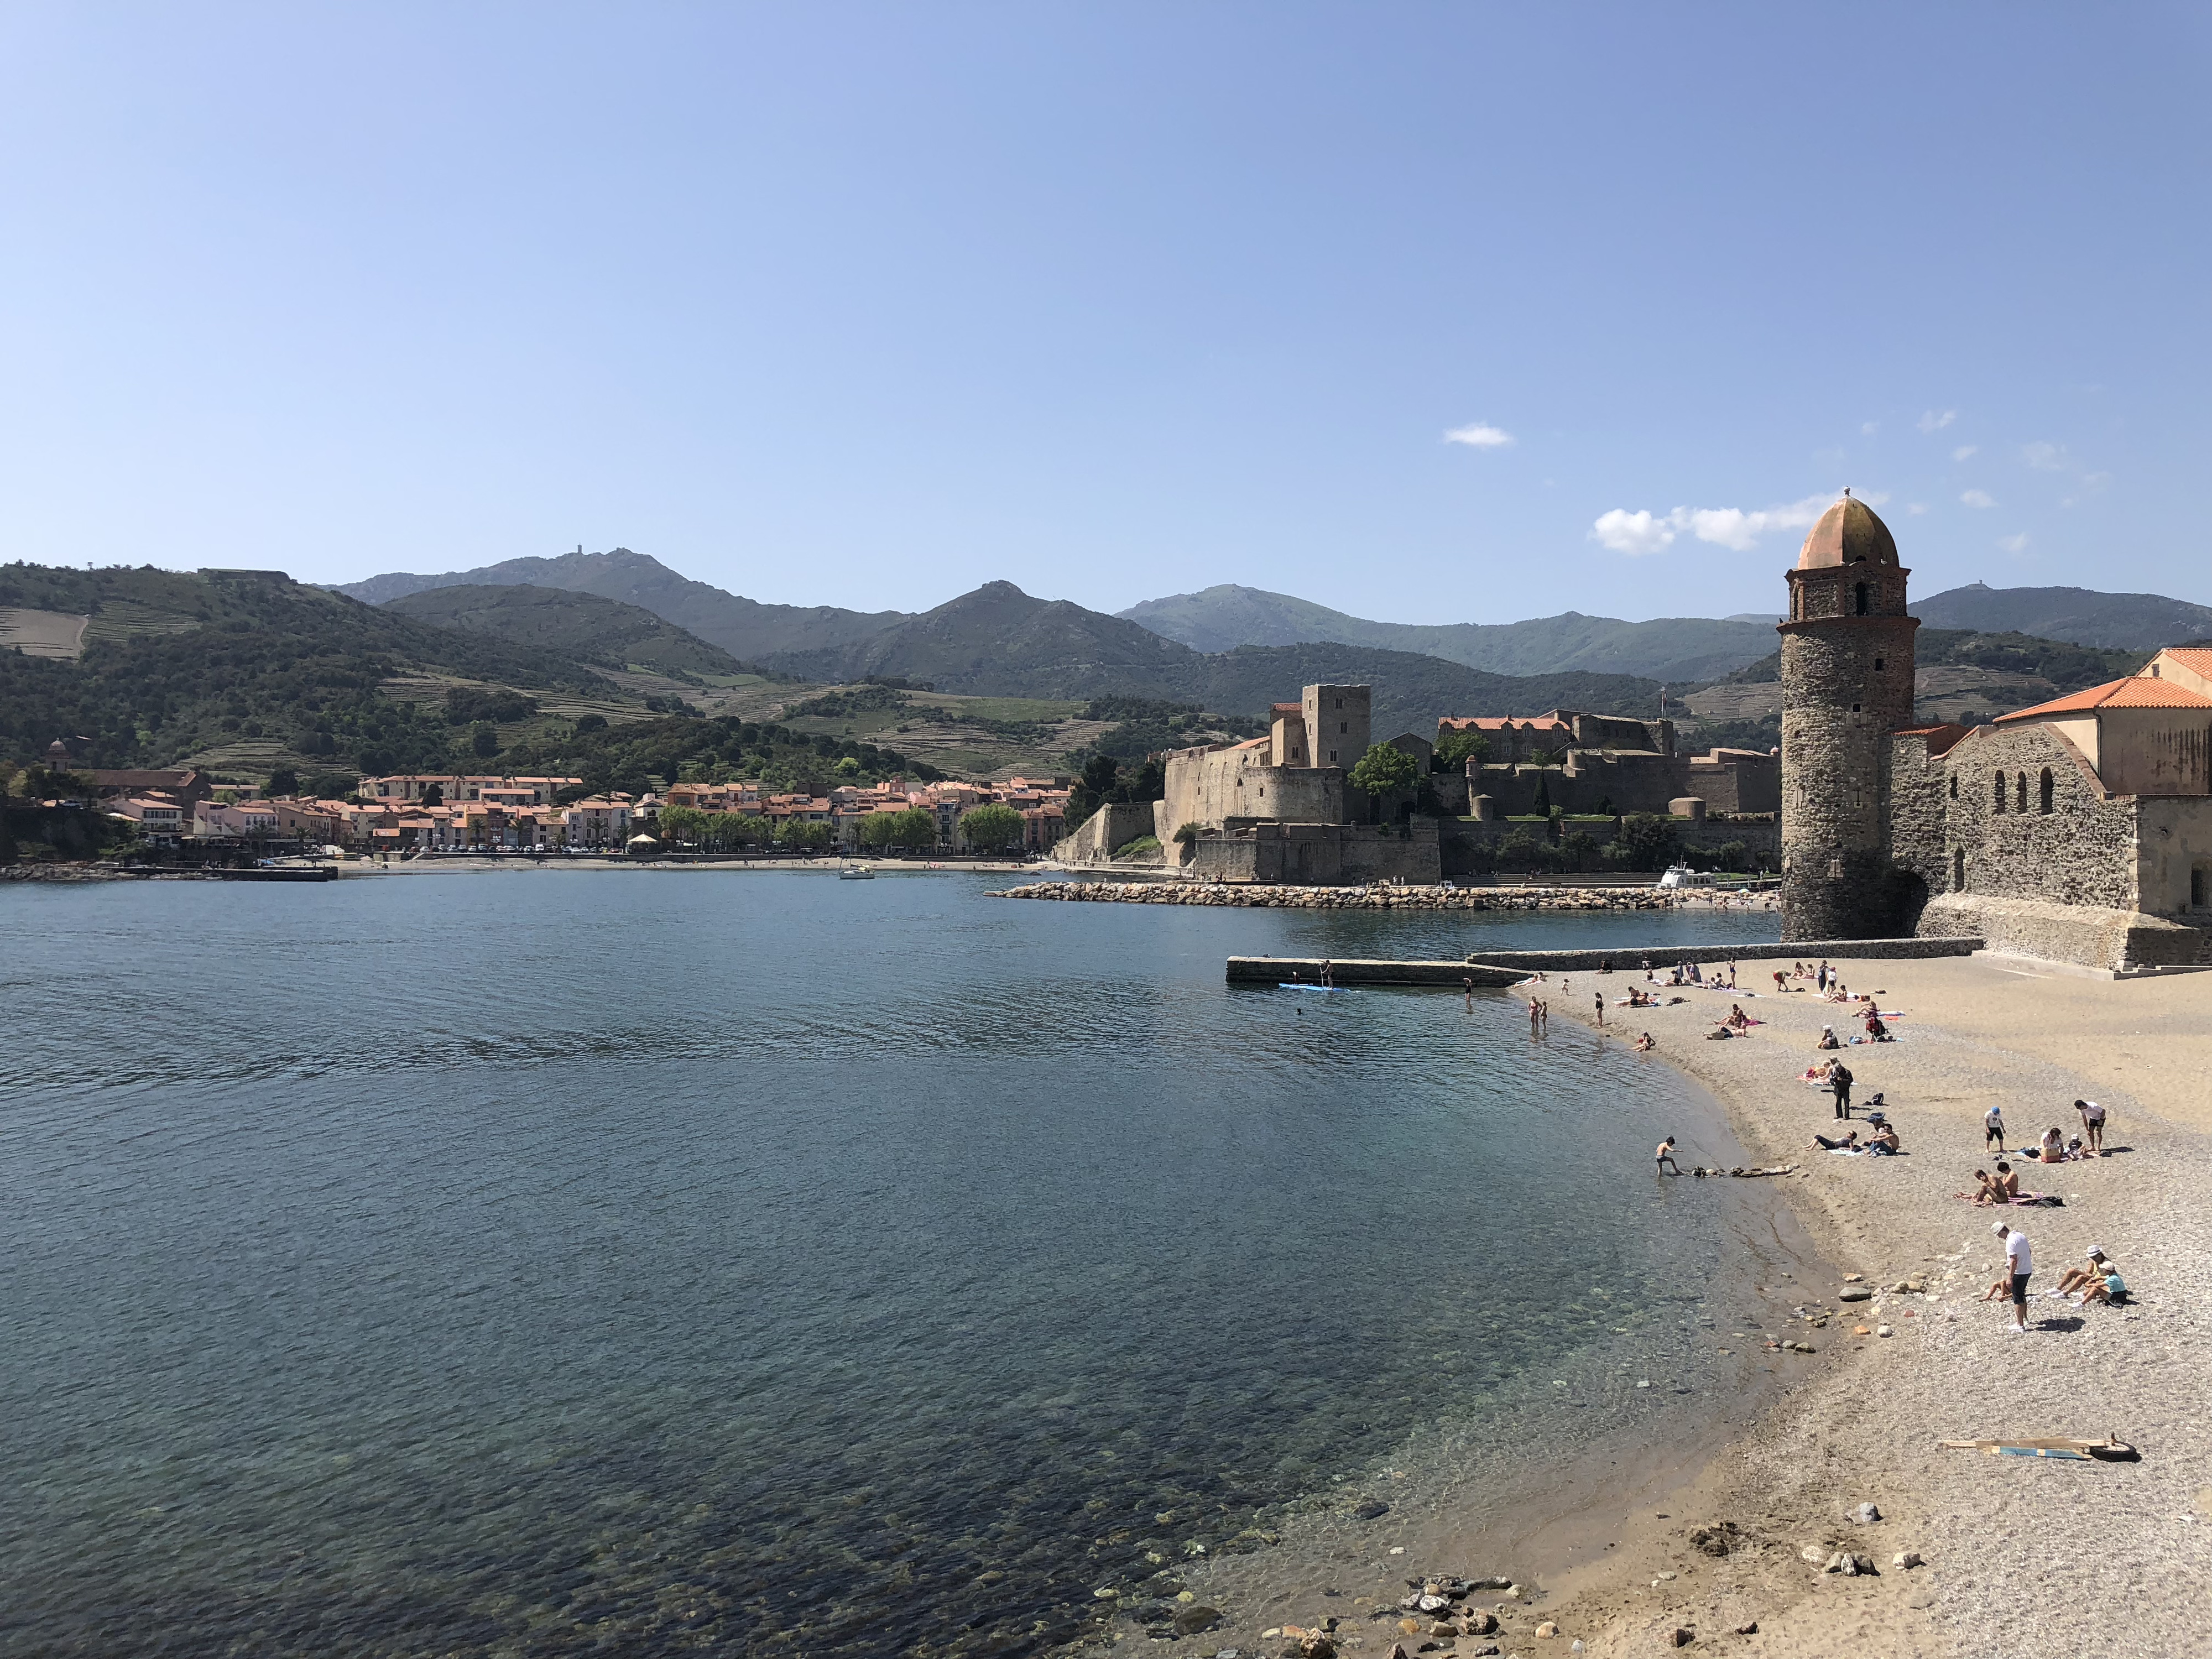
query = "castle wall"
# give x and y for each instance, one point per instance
(1212, 786)
(1114, 825)
(1319, 854)
(1467, 848)
(1591, 781)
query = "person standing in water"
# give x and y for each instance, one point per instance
(1664, 1157)
(1600, 1010)
(1470, 984)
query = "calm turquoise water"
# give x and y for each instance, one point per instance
(549, 1262)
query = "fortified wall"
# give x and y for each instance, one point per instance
(1726, 780)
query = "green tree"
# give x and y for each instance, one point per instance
(797, 836)
(681, 823)
(282, 781)
(1456, 749)
(1647, 841)
(1382, 770)
(484, 740)
(916, 827)
(992, 828)
(879, 829)
(1542, 804)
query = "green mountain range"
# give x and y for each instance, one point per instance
(1675, 648)
(177, 664)
(742, 627)
(580, 626)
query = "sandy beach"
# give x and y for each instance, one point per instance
(2021, 1556)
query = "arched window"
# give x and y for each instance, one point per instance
(2019, 800)
(1954, 786)
(1996, 792)
(1859, 596)
(2046, 807)
(1958, 869)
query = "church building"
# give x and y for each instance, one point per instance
(2079, 831)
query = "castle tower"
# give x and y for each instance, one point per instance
(1338, 721)
(1846, 685)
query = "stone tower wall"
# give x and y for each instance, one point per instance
(1339, 722)
(1846, 686)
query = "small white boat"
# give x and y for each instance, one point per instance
(852, 870)
(1680, 875)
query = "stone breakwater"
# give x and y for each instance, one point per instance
(1375, 898)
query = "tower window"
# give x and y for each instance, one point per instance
(1877, 665)
(1954, 786)
(1996, 792)
(1855, 708)
(1958, 869)
(2019, 800)
(2200, 887)
(1859, 596)
(2046, 807)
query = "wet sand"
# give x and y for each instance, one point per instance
(2022, 1556)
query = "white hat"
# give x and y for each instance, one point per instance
(1998, 1227)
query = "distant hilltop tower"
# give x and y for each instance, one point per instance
(1846, 685)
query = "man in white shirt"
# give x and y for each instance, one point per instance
(2092, 1121)
(2020, 1262)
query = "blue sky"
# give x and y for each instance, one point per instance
(865, 304)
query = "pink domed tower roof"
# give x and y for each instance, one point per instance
(1848, 533)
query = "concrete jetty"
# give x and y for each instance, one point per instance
(1492, 969)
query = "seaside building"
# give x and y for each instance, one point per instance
(2078, 830)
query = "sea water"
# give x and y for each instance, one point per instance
(553, 1260)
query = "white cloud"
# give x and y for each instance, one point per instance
(1932, 421)
(1870, 429)
(1480, 436)
(2045, 457)
(1965, 451)
(1917, 509)
(2013, 544)
(1632, 533)
(1978, 498)
(1645, 532)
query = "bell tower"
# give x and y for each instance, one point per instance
(1846, 686)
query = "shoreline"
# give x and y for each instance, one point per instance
(2102, 1558)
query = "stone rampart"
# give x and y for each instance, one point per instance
(1114, 825)
(2106, 941)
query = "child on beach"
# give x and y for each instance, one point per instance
(1664, 1157)
(1993, 1128)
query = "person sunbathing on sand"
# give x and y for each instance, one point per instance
(2008, 1183)
(1850, 1143)
(1827, 1039)
(2052, 1150)
(1644, 1044)
(1985, 1191)
(1737, 1018)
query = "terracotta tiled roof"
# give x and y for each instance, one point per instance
(2198, 657)
(2134, 692)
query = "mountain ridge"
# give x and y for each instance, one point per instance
(746, 629)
